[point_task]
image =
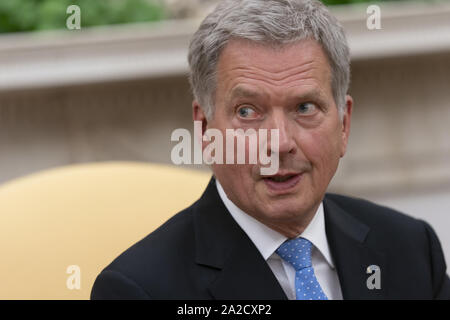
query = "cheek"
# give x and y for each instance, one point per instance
(323, 148)
(238, 178)
(238, 181)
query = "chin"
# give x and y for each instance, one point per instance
(283, 209)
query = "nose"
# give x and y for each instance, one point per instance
(286, 142)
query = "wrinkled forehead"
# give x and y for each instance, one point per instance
(281, 65)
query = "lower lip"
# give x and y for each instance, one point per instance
(283, 186)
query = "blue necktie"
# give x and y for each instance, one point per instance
(297, 252)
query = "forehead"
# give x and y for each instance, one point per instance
(290, 65)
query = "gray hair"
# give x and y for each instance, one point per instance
(274, 22)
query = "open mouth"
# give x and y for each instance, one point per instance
(281, 178)
(282, 182)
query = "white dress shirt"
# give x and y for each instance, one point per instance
(268, 240)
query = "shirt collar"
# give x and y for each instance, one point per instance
(268, 240)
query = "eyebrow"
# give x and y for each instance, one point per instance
(242, 92)
(313, 94)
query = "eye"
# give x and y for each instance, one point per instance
(247, 112)
(306, 108)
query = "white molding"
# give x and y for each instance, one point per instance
(407, 29)
(48, 59)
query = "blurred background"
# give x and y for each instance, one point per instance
(116, 89)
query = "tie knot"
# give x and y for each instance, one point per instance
(297, 252)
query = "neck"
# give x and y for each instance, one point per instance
(291, 229)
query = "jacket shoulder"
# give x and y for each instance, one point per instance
(375, 215)
(411, 245)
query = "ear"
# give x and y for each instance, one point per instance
(346, 121)
(199, 115)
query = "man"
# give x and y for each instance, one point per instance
(278, 64)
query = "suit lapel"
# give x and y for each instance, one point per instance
(242, 273)
(346, 237)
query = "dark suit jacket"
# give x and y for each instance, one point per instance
(202, 253)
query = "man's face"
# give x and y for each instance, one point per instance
(288, 89)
